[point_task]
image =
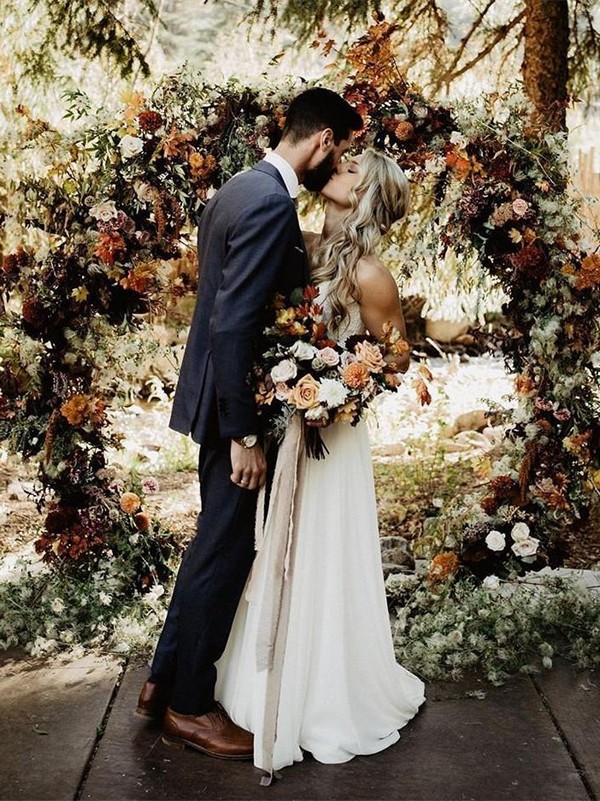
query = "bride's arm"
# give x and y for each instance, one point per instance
(380, 302)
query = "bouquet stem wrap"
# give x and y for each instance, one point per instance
(275, 544)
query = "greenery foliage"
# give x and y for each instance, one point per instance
(42, 32)
(444, 630)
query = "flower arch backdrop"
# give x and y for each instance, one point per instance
(105, 223)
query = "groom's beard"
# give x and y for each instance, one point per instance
(315, 179)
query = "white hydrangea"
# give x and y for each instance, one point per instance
(332, 392)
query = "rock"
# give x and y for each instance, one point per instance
(446, 330)
(395, 556)
(18, 491)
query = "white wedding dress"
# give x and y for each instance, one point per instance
(341, 691)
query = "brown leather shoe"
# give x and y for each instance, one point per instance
(153, 701)
(213, 733)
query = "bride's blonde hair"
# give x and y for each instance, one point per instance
(378, 200)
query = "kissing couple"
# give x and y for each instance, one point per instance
(331, 684)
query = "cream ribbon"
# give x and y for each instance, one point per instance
(274, 561)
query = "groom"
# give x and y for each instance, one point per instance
(250, 246)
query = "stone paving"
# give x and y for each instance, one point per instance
(68, 732)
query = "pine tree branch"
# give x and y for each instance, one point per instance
(499, 36)
(469, 35)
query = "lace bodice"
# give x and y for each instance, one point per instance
(350, 327)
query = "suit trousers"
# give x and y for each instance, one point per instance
(211, 578)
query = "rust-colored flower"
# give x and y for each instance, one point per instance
(490, 504)
(140, 277)
(369, 355)
(110, 245)
(355, 375)
(80, 409)
(150, 121)
(504, 487)
(142, 521)
(589, 274)
(12, 262)
(130, 502)
(33, 313)
(524, 386)
(201, 166)
(404, 131)
(75, 409)
(553, 491)
(579, 445)
(177, 143)
(443, 565)
(305, 395)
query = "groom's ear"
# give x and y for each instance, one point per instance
(326, 140)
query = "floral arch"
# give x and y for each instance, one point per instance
(105, 228)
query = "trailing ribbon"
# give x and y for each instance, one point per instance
(275, 559)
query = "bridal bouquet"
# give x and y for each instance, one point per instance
(303, 370)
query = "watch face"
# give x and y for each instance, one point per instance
(250, 441)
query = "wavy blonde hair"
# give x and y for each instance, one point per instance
(379, 199)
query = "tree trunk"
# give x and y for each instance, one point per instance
(545, 66)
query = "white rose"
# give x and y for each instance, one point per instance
(144, 191)
(520, 532)
(130, 146)
(332, 392)
(458, 139)
(526, 547)
(303, 351)
(495, 540)
(491, 582)
(104, 211)
(284, 371)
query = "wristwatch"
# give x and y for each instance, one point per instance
(249, 441)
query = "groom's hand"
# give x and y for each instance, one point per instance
(249, 466)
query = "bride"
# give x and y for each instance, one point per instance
(333, 687)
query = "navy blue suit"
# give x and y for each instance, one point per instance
(249, 247)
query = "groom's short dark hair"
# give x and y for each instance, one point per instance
(319, 108)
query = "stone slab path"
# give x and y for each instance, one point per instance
(533, 739)
(51, 711)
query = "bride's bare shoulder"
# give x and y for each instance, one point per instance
(373, 276)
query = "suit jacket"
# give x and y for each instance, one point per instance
(249, 246)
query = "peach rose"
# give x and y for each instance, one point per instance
(369, 355)
(130, 502)
(356, 375)
(305, 394)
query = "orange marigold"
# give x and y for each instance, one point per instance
(75, 409)
(130, 502)
(356, 375)
(443, 565)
